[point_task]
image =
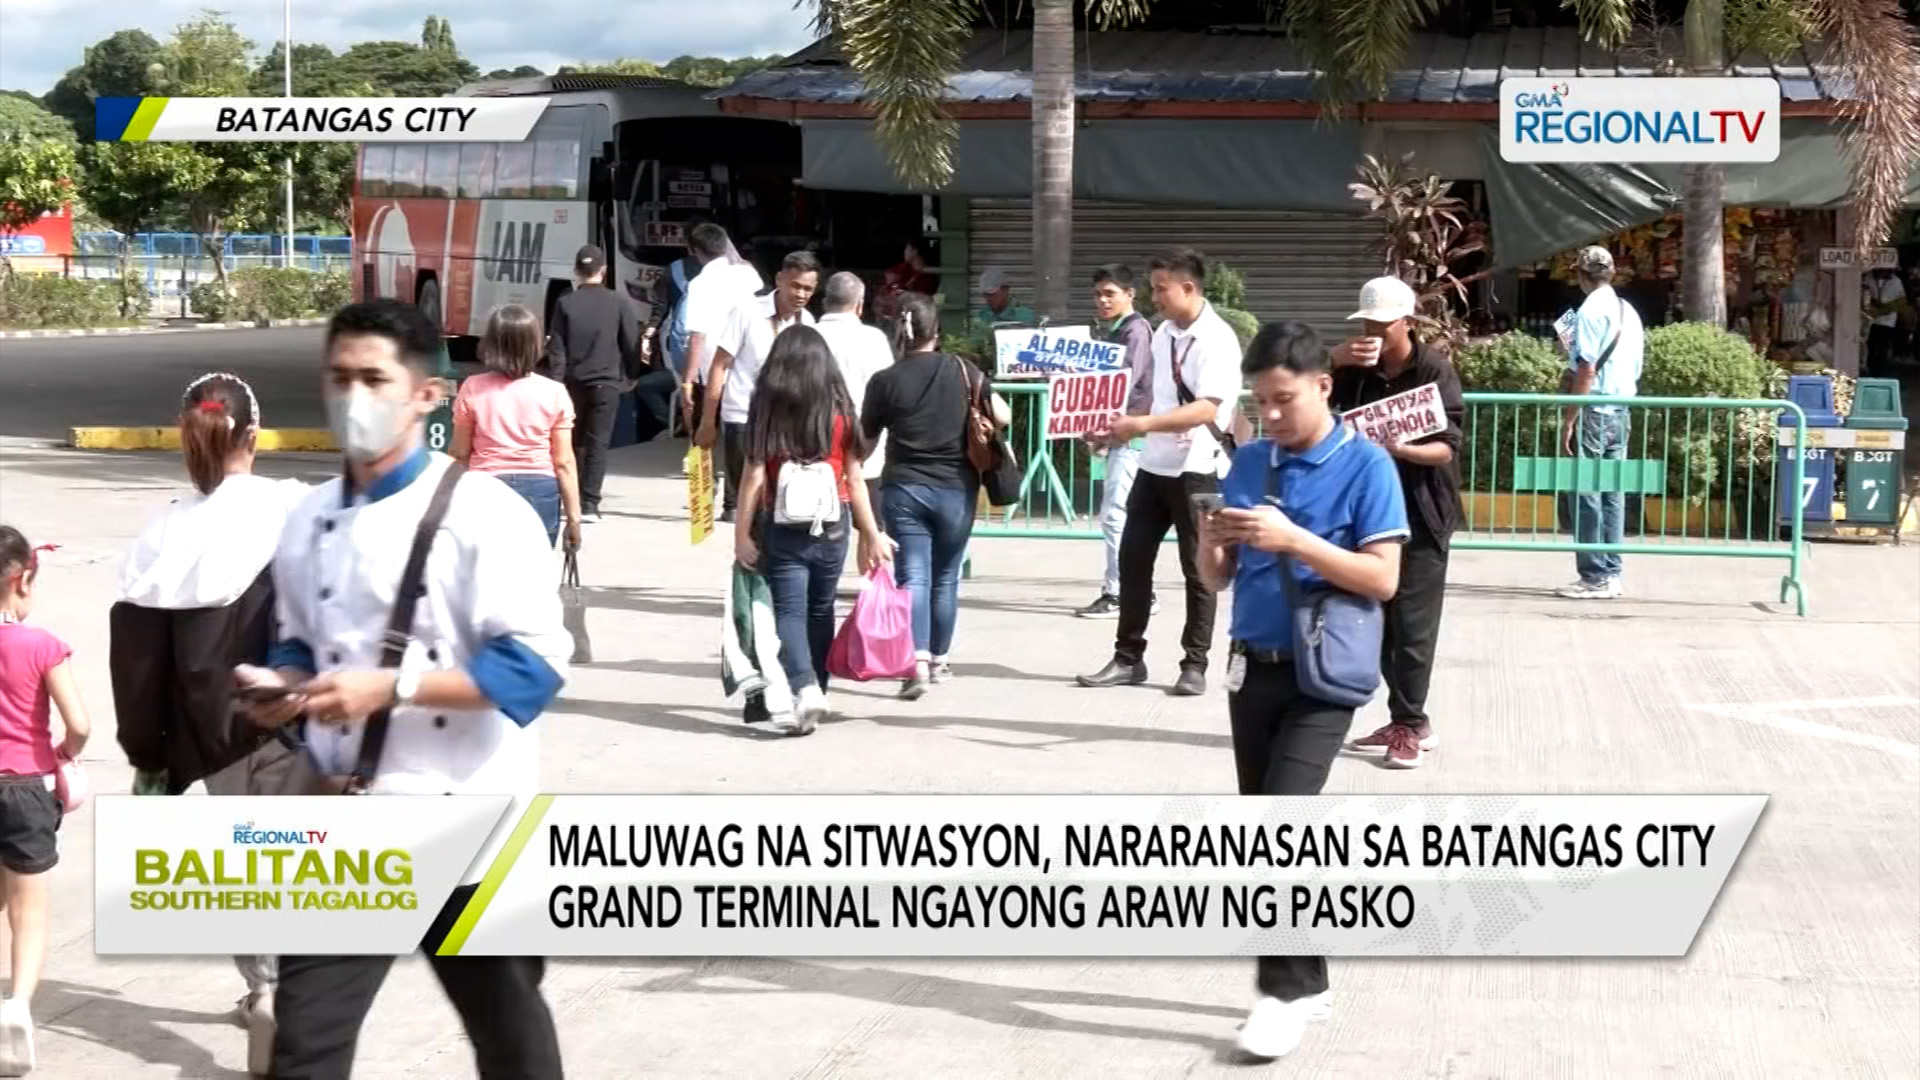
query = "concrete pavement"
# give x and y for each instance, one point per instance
(1808, 967)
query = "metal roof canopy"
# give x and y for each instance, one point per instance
(630, 97)
(1237, 70)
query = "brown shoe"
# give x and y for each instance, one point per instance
(1380, 739)
(1404, 747)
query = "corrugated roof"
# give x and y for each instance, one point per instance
(561, 84)
(1259, 66)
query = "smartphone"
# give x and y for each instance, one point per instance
(263, 695)
(1205, 503)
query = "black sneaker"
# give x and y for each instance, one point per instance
(1107, 607)
(756, 711)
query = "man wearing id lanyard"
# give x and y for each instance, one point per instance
(1119, 323)
(1383, 362)
(486, 654)
(1196, 389)
(738, 353)
(1321, 505)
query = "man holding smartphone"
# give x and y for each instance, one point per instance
(1196, 386)
(1383, 362)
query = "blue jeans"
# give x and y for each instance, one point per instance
(803, 573)
(543, 491)
(932, 526)
(1600, 517)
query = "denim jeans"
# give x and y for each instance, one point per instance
(1122, 463)
(803, 573)
(1600, 517)
(543, 491)
(932, 525)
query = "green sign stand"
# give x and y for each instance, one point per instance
(440, 421)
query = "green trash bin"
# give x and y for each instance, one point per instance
(440, 421)
(1878, 433)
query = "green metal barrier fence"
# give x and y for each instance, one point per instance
(1697, 476)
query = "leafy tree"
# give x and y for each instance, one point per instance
(401, 69)
(133, 185)
(21, 116)
(36, 178)
(711, 71)
(524, 71)
(124, 65)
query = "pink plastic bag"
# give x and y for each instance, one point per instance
(876, 641)
(70, 785)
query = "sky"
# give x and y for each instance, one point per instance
(43, 38)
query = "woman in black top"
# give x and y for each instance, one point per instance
(928, 488)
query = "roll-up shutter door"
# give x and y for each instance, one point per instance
(1297, 265)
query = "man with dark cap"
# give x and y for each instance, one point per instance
(593, 348)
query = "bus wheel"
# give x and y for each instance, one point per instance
(426, 297)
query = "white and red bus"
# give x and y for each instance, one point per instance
(618, 161)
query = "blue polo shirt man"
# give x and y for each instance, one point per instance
(1317, 501)
(1342, 489)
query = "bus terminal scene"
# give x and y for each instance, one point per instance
(964, 401)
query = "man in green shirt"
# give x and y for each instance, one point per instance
(998, 306)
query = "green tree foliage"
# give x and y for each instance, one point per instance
(524, 71)
(132, 186)
(124, 65)
(36, 178)
(710, 71)
(23, 117)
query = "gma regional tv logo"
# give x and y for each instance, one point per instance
(273, 867)
(1634, 120)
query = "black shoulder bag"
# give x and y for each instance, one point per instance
(304, 778)
(1185, 395)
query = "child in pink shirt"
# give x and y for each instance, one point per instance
(34, 675)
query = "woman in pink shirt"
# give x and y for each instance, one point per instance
(518, 425)
(35, 678)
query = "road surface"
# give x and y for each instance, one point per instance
(1809, 965)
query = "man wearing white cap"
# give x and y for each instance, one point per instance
(997, 301)
(1383, 362)
(1604, 357)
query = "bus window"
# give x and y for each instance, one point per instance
(443, 168)
(409, 167)
(512, 171)
(376, 168)
(476, 170)
(556, 170)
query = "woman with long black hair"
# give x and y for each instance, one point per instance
(196, 599)
(929, 488)
(802, 486)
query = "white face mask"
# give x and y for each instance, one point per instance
(365, 424)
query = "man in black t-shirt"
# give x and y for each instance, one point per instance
(593, 348)
(1386, 360)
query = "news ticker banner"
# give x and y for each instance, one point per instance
(410, 120)
(919, 875)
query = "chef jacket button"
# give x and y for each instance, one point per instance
(327, 525)
(439, 721)
(433, 655)
(326, 594)
(333, 657)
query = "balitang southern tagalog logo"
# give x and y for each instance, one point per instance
(273, 867)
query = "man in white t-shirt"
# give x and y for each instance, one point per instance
(723, 283)
(1196, 391)
(861, 351)
(1885, 297)
(738, 352)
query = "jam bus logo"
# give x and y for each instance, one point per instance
(1630, 120)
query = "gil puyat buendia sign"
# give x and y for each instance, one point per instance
(1627, 120)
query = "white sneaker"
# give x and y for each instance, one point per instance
(16, 1038)
(1274, 1027)
(809, 708)
(940, 672)
(257, 1015)
(1584, 590)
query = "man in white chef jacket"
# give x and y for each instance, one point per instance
(488, 654)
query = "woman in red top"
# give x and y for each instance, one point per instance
(804, 449)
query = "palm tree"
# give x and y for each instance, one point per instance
(905, 49)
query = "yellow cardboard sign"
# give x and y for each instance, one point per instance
(699, 466)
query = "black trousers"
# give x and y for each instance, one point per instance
(595, 407)
(1412, 626)
(733, 454)
(1284, 743)
(657, 395)
(1156, 504)
(1880, 348)
(322, 1001)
